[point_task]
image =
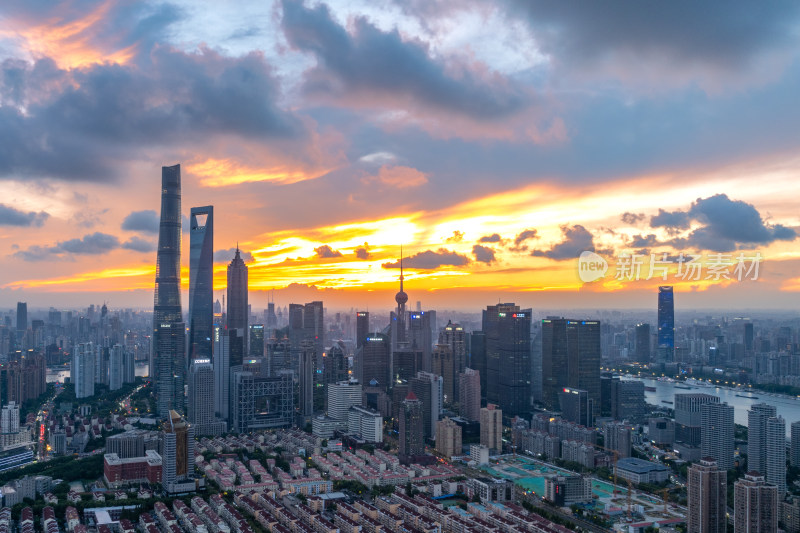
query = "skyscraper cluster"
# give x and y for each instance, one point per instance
(209, 354)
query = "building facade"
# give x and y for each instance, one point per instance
(168, 359)
(755, 505)
(706, 498)
(201, 282)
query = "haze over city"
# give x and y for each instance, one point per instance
(494, 141)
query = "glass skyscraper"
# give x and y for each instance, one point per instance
(168, 362)
(570, 358)
(508, 357)
(201, 282)
(666, 323)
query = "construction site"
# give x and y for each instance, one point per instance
(618, 500)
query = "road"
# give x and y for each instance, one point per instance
(41, 417)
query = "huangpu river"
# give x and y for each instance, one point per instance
(787, 406)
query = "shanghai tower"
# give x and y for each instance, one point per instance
(201, 279)
(168, 365)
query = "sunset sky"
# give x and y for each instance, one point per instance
(495, 141)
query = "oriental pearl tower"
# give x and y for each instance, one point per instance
(401, 298)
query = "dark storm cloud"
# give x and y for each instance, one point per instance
(90, 120)
(494, 237)
(720, 33)
(225, 256)
(483, 254)
(326, 252)
(362, 252)
(643, 241)
(138, 244)
(10, 216)
(524, 236)
(728, 225)
(429, 260)
(146, 221)
(92, 244)
(632, 218)
(671, 220)
(577, 239)
(383, 63)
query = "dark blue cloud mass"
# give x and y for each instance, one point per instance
(384, 64)
(11, 216)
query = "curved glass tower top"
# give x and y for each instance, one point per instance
(168, 266)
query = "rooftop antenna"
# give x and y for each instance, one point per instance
(401, 268)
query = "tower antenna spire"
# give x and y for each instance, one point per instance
(401, 267)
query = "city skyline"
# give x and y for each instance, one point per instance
(501, 154)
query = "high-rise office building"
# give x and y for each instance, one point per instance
(627, 399)
(448, 438)
(238, 313)
(795, 455)
(642, 343)
(748, 337)
(442, 364)
(341, 397)
(687, 416)
(128, 366)
(306, 378)
(116, 371)
(707, 488)
(201, 282)
(406, 362)
(314, 327)
(22, 317)
(372, 367)
(570, 358)
(362, 328)
(421, 325)
(492, 428)
(775, 457)
(9, 419)
(469, 393)
(168, 355)
(755, 505)
(757, 418)
(477, 357)
(334, 367)
(82, 370)
(222, 373)
(717, 433)
(576, 406)
(170, 338)
(666, 323)
(101, 362)
(454, 336)
(279, 356)
(411, 440)
(508, 357)
(177, 474)
(201, 404)
(259, 402)
(428, 389)
(256, 340)
(617, 436)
